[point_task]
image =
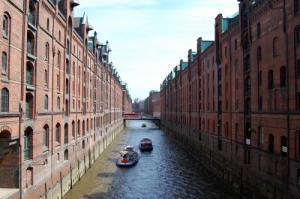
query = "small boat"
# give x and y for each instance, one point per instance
(143, 125)
(127, 157)
(146, 144)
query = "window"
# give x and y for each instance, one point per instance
(45, 138)
(260, 136)
(66, 134)
(4, 100)
(67, 108)
(58, 59)
(298, 68)
(46, 102)
(59, 35)
(247, 63)
(246, 42)
(46, 77)
(46, 51)
(30, 43)
(275, 47)
(29, 106)
(298, 100)
(4, 63)
(296, 7)
(67, 86)
(57, 134)
(66, 154)
(270, 79)
(67, 67)
(247, 106)
(28, 143)
(58, 103)
(235, 44)
(57, 82)
(245, 17)
(298, 36)
(29, 74)
(31, 14)
(258, 30)
(259, 54)
(283, 76)
(284, 146)
(5, 26)
(48, 24)
(271, 143)
(248, 85)
(260, 103)
(73, 129)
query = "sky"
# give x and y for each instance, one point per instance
(148, 38)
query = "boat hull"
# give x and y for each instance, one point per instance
(146, 148)
(126, 164)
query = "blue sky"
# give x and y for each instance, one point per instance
(149, 37)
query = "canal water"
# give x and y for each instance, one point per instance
(168, 171)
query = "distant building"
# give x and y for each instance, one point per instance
(152, 103)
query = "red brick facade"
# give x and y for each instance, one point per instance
(61, 98)
(236, 102)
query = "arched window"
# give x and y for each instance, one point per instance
(78, 128)
(73, 129)
(46, 78)
(5, 26)
(83, 144)
(270, 79)
(67, 108)
(57, 134)
(67, 86)
(46, 102)
(4, 100)
(66, 154)
(46, 51)
(59, 36)
(83, 128)
(45, 138)
(275, 47)
(4, 63)
(48, 24)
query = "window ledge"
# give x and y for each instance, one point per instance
(30, 56)
(5, 80)
(30, 87)
(31, 26)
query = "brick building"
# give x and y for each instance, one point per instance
(61, 98)
(235, 102)
(152, 103)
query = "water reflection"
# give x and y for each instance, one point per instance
(168, 171)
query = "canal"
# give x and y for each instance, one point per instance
(168, 171)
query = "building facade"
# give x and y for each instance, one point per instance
(152, 103)
(235, 102)
(61, 98)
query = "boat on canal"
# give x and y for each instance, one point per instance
(127, 157)
(143, 125)
(146, 144)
